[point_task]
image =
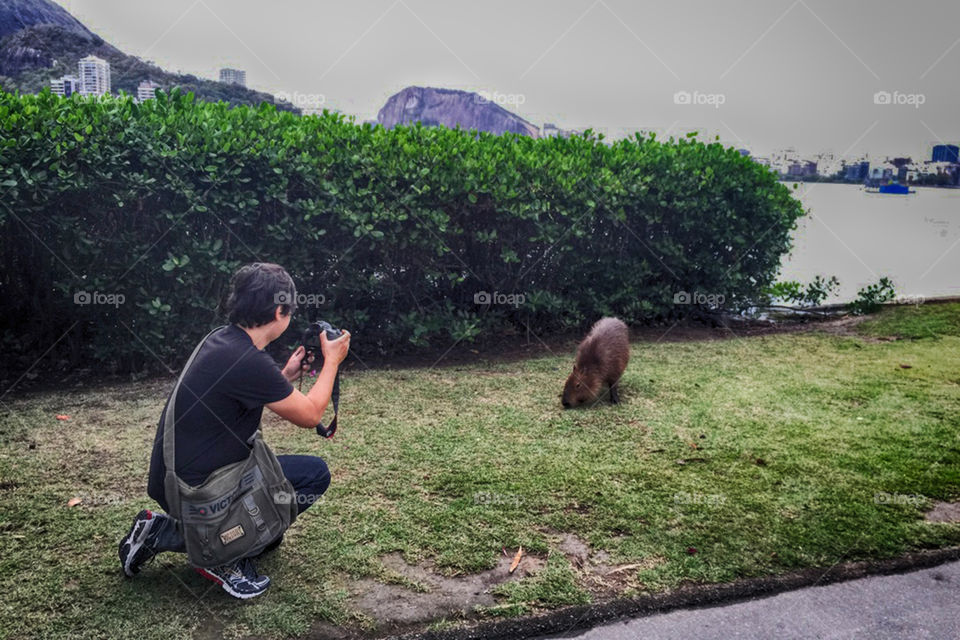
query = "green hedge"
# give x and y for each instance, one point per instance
(397, 230)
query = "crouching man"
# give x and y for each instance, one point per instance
(218, 409)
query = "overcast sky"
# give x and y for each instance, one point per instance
(768, 73)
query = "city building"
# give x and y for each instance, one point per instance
(882, 172)
(783, 160)
(147, 90)
(900, 171)
(940, 172)
(913, 173)
(549, 129)
(945, 153)
(857, 172)
(234, 76)
(94, 76)
(65, 86)
(802, 169)
(828, 164)
(765, 162)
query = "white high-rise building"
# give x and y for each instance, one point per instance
(234, 76)
(65, 86)
(94, 76)
(147, 90)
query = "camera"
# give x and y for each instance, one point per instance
(312, 347)
(311, 340)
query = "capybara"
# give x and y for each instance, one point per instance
(601, 359)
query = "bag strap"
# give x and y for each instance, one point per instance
(171, 489)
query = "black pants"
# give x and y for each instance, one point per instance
(309, 476)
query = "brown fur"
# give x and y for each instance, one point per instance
(601, 360)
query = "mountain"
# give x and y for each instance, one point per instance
(20, 14)
(450, 107)
(41, 41)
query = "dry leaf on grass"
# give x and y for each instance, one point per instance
(516, 560)
(625, 567)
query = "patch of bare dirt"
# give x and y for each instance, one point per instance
(597, 573)
(435, 596)
(847, 327)
(944, 512)
(419, 593)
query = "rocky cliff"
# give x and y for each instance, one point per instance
(450, 107)
(20, 14)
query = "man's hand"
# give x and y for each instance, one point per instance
(335, 350)
(292, 369)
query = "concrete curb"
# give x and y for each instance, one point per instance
(580, 617)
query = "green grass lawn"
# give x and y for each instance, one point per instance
(762, 455)
(916, 321)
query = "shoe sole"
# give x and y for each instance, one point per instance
(226, 587)
(130, 545)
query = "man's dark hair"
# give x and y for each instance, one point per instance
(255, 292)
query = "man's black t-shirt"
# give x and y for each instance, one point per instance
(219, 406)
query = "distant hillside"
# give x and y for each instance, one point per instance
(450, 107)
(20, 14)
(40, 41)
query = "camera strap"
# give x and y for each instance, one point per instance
(328, 431)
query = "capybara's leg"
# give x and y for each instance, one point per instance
(614, 396)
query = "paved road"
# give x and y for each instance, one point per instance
(913, 606)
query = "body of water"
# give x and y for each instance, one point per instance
(860, 237)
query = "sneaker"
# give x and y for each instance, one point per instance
(240, 579)
(134, 549)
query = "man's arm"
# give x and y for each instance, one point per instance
(306, 410)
